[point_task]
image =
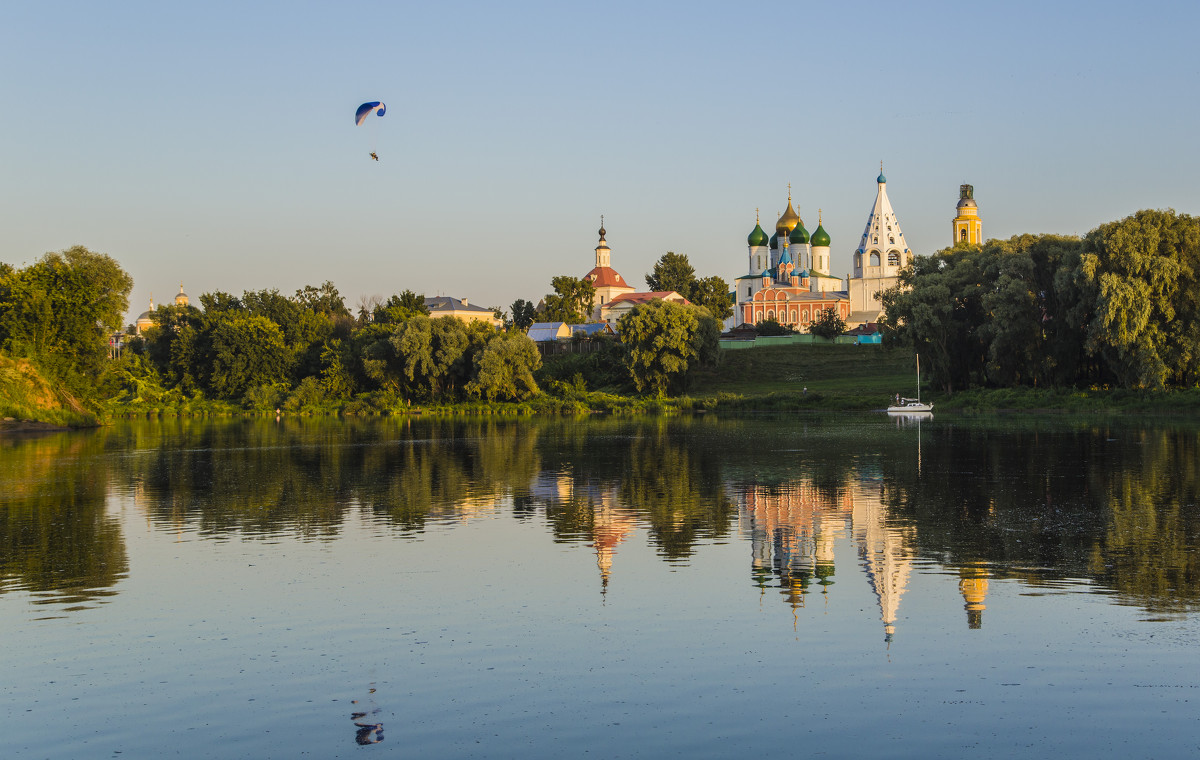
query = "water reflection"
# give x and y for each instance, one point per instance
(1041, 503)
(56, 538)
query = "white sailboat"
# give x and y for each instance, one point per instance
(912, 405)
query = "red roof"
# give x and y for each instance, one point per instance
(603, 277)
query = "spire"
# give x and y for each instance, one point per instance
(882, 236)
(603, 254)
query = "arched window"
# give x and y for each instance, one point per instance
(963, 235)
(874, 258)
(893, 258)
(858, 260)
(771, 314)
(891, 239)
(876, 241)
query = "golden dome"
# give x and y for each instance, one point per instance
(788, 221)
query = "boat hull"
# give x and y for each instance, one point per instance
(917, 408)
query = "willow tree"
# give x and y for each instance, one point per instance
(665, 341)
(1141, 279)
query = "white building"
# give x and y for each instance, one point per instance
(882, 253)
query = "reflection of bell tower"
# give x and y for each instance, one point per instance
(973, 586)
(968, 229)
(610, 527)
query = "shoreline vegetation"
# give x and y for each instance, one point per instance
(1106, 323)
(798, 378)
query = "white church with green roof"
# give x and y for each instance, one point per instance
(788, 276)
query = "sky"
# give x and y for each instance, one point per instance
(214, 143)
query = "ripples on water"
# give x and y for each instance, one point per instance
(635, 587)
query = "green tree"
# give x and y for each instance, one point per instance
(571, 302)
(428, 350)
(1142, 277)
(323, 300)
(175, 343)
(772, 327)
(60, 312)
(504, 368)
(672, 272)
(828, 324)
(523, 314)
(664, 341)
(247, 351)
(937, 309)
(713, 294)
(400, 308)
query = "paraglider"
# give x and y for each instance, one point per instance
(365, 110)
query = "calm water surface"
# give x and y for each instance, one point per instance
(702, 587)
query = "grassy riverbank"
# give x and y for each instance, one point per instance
(768, 378)
(868, 377)
(30, 402)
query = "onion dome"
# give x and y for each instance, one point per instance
(820, 238)
(788, 221)
(775, 241)
(881, 179)
(799, 235)
(757, 237)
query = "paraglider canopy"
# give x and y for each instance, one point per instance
(366, 109)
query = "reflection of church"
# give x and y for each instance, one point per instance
(794, 528)
(609, 521)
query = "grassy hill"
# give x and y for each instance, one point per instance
(836, 376)
(29, 401)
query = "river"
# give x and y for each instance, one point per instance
(704, 586)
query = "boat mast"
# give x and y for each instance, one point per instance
(918, 378)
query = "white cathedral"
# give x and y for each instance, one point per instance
(789, 280)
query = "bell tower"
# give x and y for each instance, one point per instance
(967, 226)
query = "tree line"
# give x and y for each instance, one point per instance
(1117, 308)
(264, 349)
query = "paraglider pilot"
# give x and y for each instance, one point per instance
(374, 156)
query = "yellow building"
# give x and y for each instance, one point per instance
(967, 226)
(460, 308)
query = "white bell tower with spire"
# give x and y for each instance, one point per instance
(882, 252)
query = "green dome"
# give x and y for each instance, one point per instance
(799, 235)
(775, 241)
(820, 238)
(758, 237)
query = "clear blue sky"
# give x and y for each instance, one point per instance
(214, 142)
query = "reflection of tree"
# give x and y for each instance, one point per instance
(54, 533)
(1047, 502)
(1150, 550)
(678, 490)
(263, 477)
